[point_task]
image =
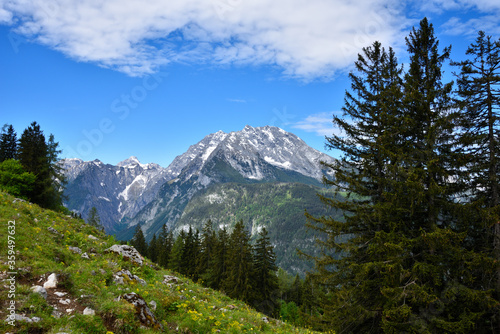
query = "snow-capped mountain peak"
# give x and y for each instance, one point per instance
(132, 161)
(244, 148)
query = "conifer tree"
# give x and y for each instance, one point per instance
(364, 177)
(266, 280)
(94, 219)
(296, 291)
(56, 171)
(207, 245)
(165, 243)
(139, 241)
(39, 158)
(189, 254)
(153, 249)
(217, 270)
(175, 259)
(479, 93)
(8, 143)
(239, 282)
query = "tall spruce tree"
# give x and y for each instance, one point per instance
(165, 243)
(139, 241)
(190, 254)
(8, 143)
(40, 158)
(365, 176)
(403, 266)
(153, 249)
(175, 258)
(266, 280)
(32, 153)
(239, 282)
(207, 248)
(479, 98)
(217, 270)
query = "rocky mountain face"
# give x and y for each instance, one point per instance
(118, 192)
(132, 193)
(253, 155)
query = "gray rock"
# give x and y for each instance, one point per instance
(146, 317)
(91, 237)
(170, 279)
(124, 276)
(75, 250)
(128, 252)
(19, 317)
(153, 305)
(40, 290)
(54, 231)
(85, 256)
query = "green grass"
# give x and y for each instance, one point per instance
(183, 308)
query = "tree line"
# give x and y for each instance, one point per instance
(220, 260)
(420, 233)
(28, 166)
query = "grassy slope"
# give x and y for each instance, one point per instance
(183, 308)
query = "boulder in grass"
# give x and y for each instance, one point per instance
(169, 279)
(125, 276)
(40, 290)
(75, 250)
(128, 253)
(88, 311)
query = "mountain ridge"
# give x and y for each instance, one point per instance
(134, 184)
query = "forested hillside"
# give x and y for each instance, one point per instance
(278, 207)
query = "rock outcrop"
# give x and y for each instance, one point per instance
(146, 317)
(124, 276)
(128, 252)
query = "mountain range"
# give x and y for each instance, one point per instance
(265, 176)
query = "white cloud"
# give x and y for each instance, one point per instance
(307, 39)
(457, 27)
(470, 16)
(320, 123)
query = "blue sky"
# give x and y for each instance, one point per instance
(111, 79)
